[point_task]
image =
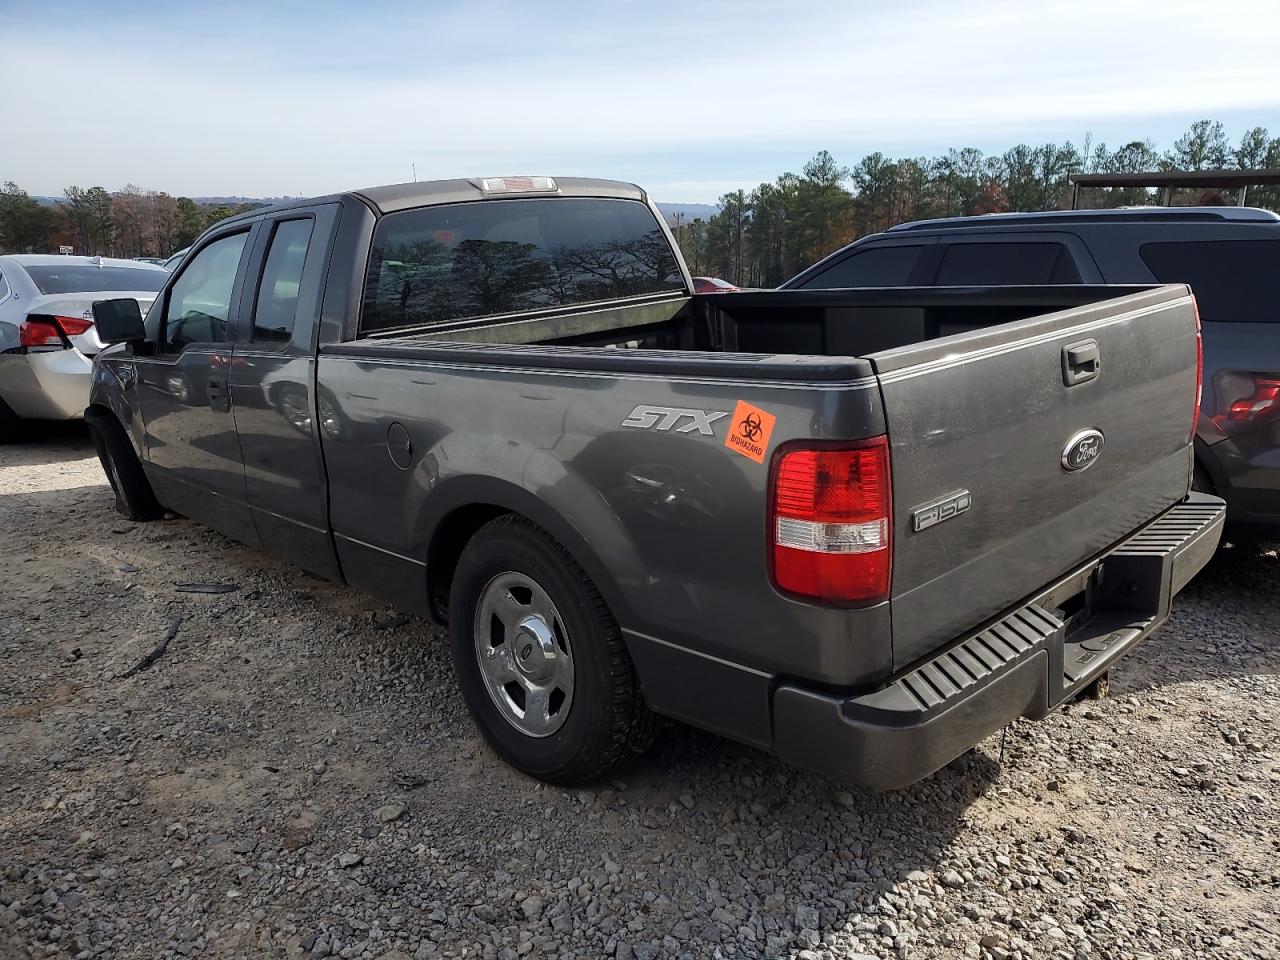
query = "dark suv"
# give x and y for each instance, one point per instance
(1229, 255)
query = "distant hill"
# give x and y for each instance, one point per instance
(236, 201)
(688, 211)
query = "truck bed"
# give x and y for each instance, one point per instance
(827, 323)
(966, 383)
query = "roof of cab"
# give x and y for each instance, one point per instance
(404, 196)
(1123, 214)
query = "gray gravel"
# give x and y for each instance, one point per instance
(295, 775)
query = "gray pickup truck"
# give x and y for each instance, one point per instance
(861, 529)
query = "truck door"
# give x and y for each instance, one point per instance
(193, 454)
(279, 412)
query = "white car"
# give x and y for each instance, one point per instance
(47, 339)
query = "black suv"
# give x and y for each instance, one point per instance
(1229, 255)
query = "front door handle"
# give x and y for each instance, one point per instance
(219, 398)
(1080, 362)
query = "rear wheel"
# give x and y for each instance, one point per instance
(134, 497)
(540, 659)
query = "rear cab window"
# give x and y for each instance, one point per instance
(1233, 280)
(490, 257)
(1005, 264)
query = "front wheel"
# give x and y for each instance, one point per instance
(540, 659)
(134, 498)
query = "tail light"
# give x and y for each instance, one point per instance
(47, 330)
(1195, 410)
(1264, 400)
(830, 522)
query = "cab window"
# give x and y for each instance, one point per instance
(199, 304)
(1005, 264)
(1236, 280)
(276, 308)
(887, 266)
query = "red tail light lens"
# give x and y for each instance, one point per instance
(831, 522)
(1264, 400)
(43, 330)
(39, 333)
(1195, 410)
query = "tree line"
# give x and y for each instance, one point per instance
(764, 236)
(132, 222)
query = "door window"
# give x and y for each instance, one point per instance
(277, 303)
(1005, 264)
(873, 267)
(1232, 279)
(200, 301)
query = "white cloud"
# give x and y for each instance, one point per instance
(355, 102)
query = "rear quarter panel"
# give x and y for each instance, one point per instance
(670, 525)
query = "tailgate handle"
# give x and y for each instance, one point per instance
(1080, 362)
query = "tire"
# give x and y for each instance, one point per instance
(134, 497)
(512, 645)
(11, 425)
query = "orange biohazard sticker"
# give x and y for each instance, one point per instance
(749, 431)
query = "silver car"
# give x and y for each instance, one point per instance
(47, 339)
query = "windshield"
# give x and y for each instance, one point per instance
(86, 278)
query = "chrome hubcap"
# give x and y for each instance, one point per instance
(524, 654)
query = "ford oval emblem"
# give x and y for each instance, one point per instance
(1082, 450)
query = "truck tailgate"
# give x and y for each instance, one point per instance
(987, 509)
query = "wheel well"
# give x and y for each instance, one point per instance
(95, 413)
(447, 542)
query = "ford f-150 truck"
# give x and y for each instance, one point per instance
(861, 529)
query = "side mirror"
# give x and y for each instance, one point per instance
(118, 321)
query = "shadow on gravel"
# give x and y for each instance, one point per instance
(1225, 623)
(795, 833)
(47, 442)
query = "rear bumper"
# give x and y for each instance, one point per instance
(46, 386)
(1025, 665)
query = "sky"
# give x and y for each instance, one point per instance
(688, 99)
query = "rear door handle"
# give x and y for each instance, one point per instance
(1080, 362)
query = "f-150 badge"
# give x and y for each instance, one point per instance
(944, 508)
(646, 417)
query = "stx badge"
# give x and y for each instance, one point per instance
(645, 417)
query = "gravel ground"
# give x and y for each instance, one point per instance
(295, 774)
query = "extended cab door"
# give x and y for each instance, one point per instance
(193, 454)
(279, 412)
